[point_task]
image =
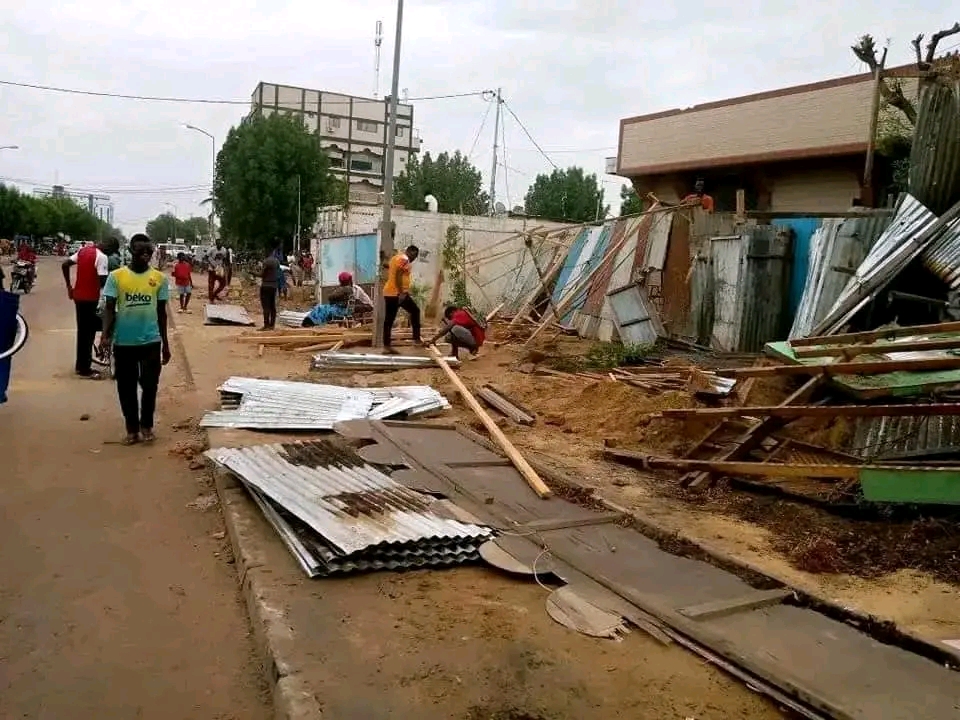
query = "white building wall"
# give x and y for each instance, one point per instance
(497, 260)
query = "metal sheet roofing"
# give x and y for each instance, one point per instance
(361, 517)
(291, 318)
(334, 360)
(225, 315)
(284, 405)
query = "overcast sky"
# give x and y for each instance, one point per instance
(570, 69)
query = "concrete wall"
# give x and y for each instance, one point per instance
(498, 265)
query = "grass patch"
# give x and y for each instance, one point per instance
(602, 356)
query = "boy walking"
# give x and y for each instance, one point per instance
(183, 277)
(135, 327)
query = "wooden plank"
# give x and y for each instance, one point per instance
(872, 367)
(882, 334)
(818, 214)
(733, 467)
(499, 401)
(849, 351)
(721, 608)
(528, 473)
(797, 411)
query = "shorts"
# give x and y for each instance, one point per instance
(184, 289)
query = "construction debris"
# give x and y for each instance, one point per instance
(338, 514)
(225, 315)
(282, 405)
(499, 401)
(372, 361)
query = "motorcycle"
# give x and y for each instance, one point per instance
(22, 276)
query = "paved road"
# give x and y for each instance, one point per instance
(117, 600)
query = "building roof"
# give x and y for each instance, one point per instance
(821, 119)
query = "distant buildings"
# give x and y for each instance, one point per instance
(799, 148)
(98, 205)
(353, 131)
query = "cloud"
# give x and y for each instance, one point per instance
(569, 69)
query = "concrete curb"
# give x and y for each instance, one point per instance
(273, 637)
(292, 697)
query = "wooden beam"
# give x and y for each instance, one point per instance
(882, 334)
(734, 467)
(849, 351)
(799, 411)
(772, 215)
(519, 462)
(504, 405)
(730, 606)
(563, 524)
(873, 367)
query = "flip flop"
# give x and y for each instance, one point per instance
(130, 439)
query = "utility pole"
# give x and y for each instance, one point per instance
(296, 240)
(872, 139)
(493, 167)
(386, 223)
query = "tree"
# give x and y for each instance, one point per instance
(566, 195)
(165, 227)
(630, 202)
(255, 188)
(451, 179)
(41, 217)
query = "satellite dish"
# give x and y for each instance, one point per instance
(500, 208)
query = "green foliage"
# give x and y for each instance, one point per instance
(451, 179)
(420, 293)
(452, 255)
(603, 356)
(166, 227)
(566, 195)
(255, 188)
(38, 217)
(630, 202)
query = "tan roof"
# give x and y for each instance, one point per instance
(814, 120)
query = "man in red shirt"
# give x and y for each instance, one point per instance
(92, 269)
(461, 329)
(26, 253)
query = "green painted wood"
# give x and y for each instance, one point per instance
(936, 486)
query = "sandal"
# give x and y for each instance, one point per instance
(148, 436)
(130, 439)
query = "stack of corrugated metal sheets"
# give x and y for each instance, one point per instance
(283, 405)
(372, 361)
(338, 514)
(291, 318)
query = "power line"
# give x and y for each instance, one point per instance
(561, 151)
(476, 138)
(529, 136)
(146, 189)
(206, 101)
(506, 180)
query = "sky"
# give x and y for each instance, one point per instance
(568, 69)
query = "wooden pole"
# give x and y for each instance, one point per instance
(734, 467)
(544, 282)
(849, 351)
(871, 335)
(823, 411)
(519, 462)
(878, 367)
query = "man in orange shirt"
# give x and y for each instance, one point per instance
(699, 197)
(396, 294)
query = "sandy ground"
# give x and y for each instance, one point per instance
(464, 642)
(118, 598)
(890, 570)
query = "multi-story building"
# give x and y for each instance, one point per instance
(99, 206)
(798, 148)
(353, 131)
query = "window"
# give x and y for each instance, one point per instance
(366, 126)
(333, 123)
(400, 131)
(361, 164)
(336, 162)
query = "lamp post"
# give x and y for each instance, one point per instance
(386, 224)
(213, 167)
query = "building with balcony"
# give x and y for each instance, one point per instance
(799, 148)
(353, 131)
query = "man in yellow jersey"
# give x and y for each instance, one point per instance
(135, 327)
(396, 294)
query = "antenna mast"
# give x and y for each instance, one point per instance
(377, 42)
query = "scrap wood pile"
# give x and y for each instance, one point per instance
(897, 385)
(652, 378)
(317, 339)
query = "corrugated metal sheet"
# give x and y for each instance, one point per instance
(763, 293)
(935, 154)
(889, 438)
(360, 516)
(291, 318)
(283, 405)
(225, 315)
(356, 361)
(726, 255)
(637, 320)
(942, 257)
(901, 242)
(702, 297)
(591, 256)
(803, 230)
(837, 249)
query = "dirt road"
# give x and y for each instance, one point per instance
(117, 599)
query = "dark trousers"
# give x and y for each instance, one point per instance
(137, 365)
(88, 325)
(268, 301)
(391, 306)
(215, 286)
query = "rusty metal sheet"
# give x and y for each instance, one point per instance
(225, 315)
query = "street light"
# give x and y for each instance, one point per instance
(213, 167)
